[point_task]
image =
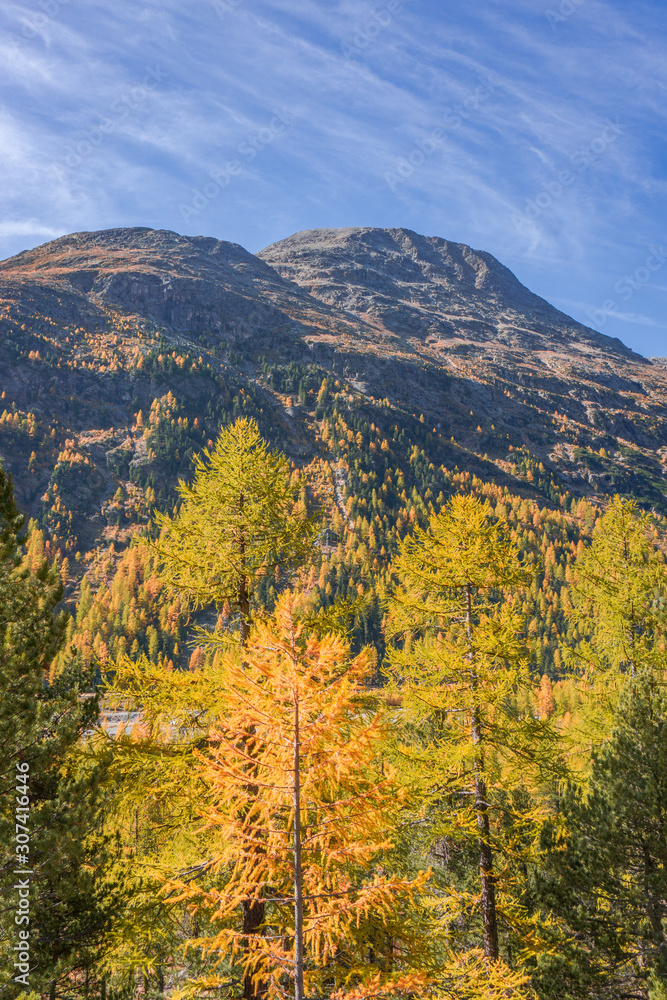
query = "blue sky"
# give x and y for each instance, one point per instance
(534, 129)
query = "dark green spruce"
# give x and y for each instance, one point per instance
(606, 862)
(41, 723)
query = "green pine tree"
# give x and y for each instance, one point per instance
(605, 863)
(48, 803)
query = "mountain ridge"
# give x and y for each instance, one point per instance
(241, 270)
(113, 341)
(401, 259)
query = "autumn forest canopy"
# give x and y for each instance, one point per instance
(366, 726)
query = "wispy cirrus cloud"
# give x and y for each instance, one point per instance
(85, 142)
(27, 227)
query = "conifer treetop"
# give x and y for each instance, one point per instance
(621, 590)
(239, 521)
(463, 548)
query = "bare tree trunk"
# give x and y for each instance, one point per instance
(654, 913)
(244, 609)
(253, 914)
(253, 918)
(633, 628)
(253, 909)
(243, 595)
(298, 881)
(488, 900)
(488, 883)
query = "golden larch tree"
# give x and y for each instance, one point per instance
(301, 808)
(458, 655)
(239, 521)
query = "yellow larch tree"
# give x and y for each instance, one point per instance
(239, 521)
(300, 809)
(619, 602)
(458, 657)
(620, 591)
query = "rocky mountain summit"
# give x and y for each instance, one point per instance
(185, 284)
(108, 338)
(440, 293)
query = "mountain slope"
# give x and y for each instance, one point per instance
(187, 284)
(460, 319)
(122, 351)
